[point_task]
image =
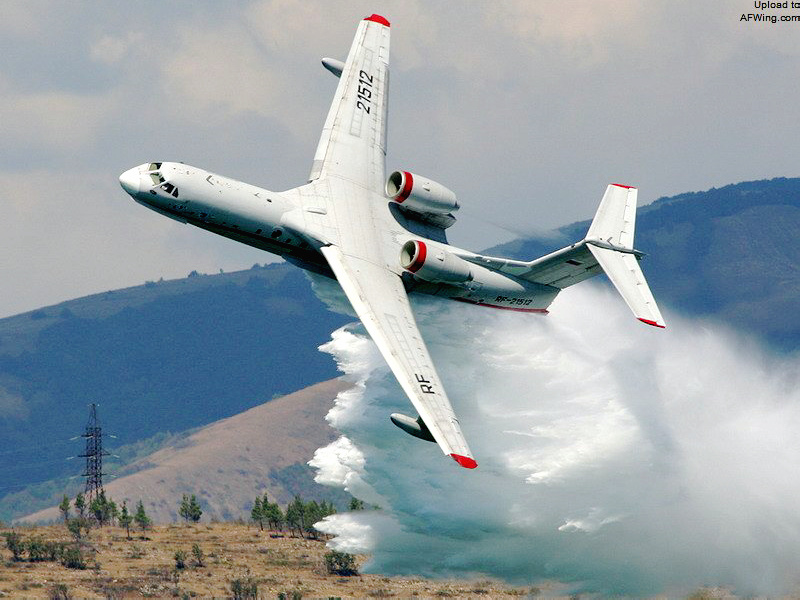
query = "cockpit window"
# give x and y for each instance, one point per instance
(154, 167)
(157, 178)
(170, 189)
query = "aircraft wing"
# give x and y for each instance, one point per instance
(381, 302)
(353, 140)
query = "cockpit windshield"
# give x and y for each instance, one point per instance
(158, 180)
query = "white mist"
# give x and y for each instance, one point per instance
(615, 457)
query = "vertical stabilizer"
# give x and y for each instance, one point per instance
(615, 219)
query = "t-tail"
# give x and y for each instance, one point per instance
(610, 240)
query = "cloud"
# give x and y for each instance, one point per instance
(70, 226)
(111, 49)
(613, 457)
(526, 110)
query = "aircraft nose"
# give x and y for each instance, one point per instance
(129, 181)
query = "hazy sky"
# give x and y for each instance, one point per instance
(526, 109)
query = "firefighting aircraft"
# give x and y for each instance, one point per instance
(382, 238)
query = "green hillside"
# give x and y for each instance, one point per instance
(174, 355)
(163, 357)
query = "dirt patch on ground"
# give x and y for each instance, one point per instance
(276, 564)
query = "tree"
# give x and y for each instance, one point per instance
(257, 512)
(294, 515)
(273, 514)
(180, 559)
(80, 505)
(190, 508)
(356, 504)
(125, 519)
(64, 508)
(103, 509)
(183, 510)
(244, 588)
(72, 557)
(314, 513)
(199, 557)
(311, 514)
(77, 527)
(195, 512)
(141, 518)
(15, 544)
(340, 563)
(113, 511)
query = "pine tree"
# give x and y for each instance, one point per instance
(103, 509)
(273, 514)
(80, 505)
(141, 518)
(195, 512)
(294, 515)
(125, 519)
(356, 504)
(257, 512)
(113, 511)
(199, 557)
(190, 509)
(64, 508)
(183, 510)
(311, 514)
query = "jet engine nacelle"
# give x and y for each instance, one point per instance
(434, 264)
(420, 194)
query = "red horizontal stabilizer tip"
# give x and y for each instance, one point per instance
(465, 461)
(653, 323)
(627, 187)
(377, 19)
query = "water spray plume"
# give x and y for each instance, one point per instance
(614, 457)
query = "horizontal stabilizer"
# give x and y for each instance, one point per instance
(624, 272)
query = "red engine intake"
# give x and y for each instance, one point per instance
(420, 194)
(434, 264)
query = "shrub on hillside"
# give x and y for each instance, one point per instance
(244, 588)
(340, 563)
(72, 557)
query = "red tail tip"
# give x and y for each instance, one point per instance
(464, 461)
(628, 187)
(377, 19)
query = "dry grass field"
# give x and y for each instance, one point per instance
(145, 566)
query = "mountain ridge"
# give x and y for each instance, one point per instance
(195, 350)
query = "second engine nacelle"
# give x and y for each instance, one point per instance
(420, 193)
(434, 264)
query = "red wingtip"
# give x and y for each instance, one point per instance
(377, 19)
(627, 187)
(653, 323)
(465, 461)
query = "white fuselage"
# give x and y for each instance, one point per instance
(295, 223)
